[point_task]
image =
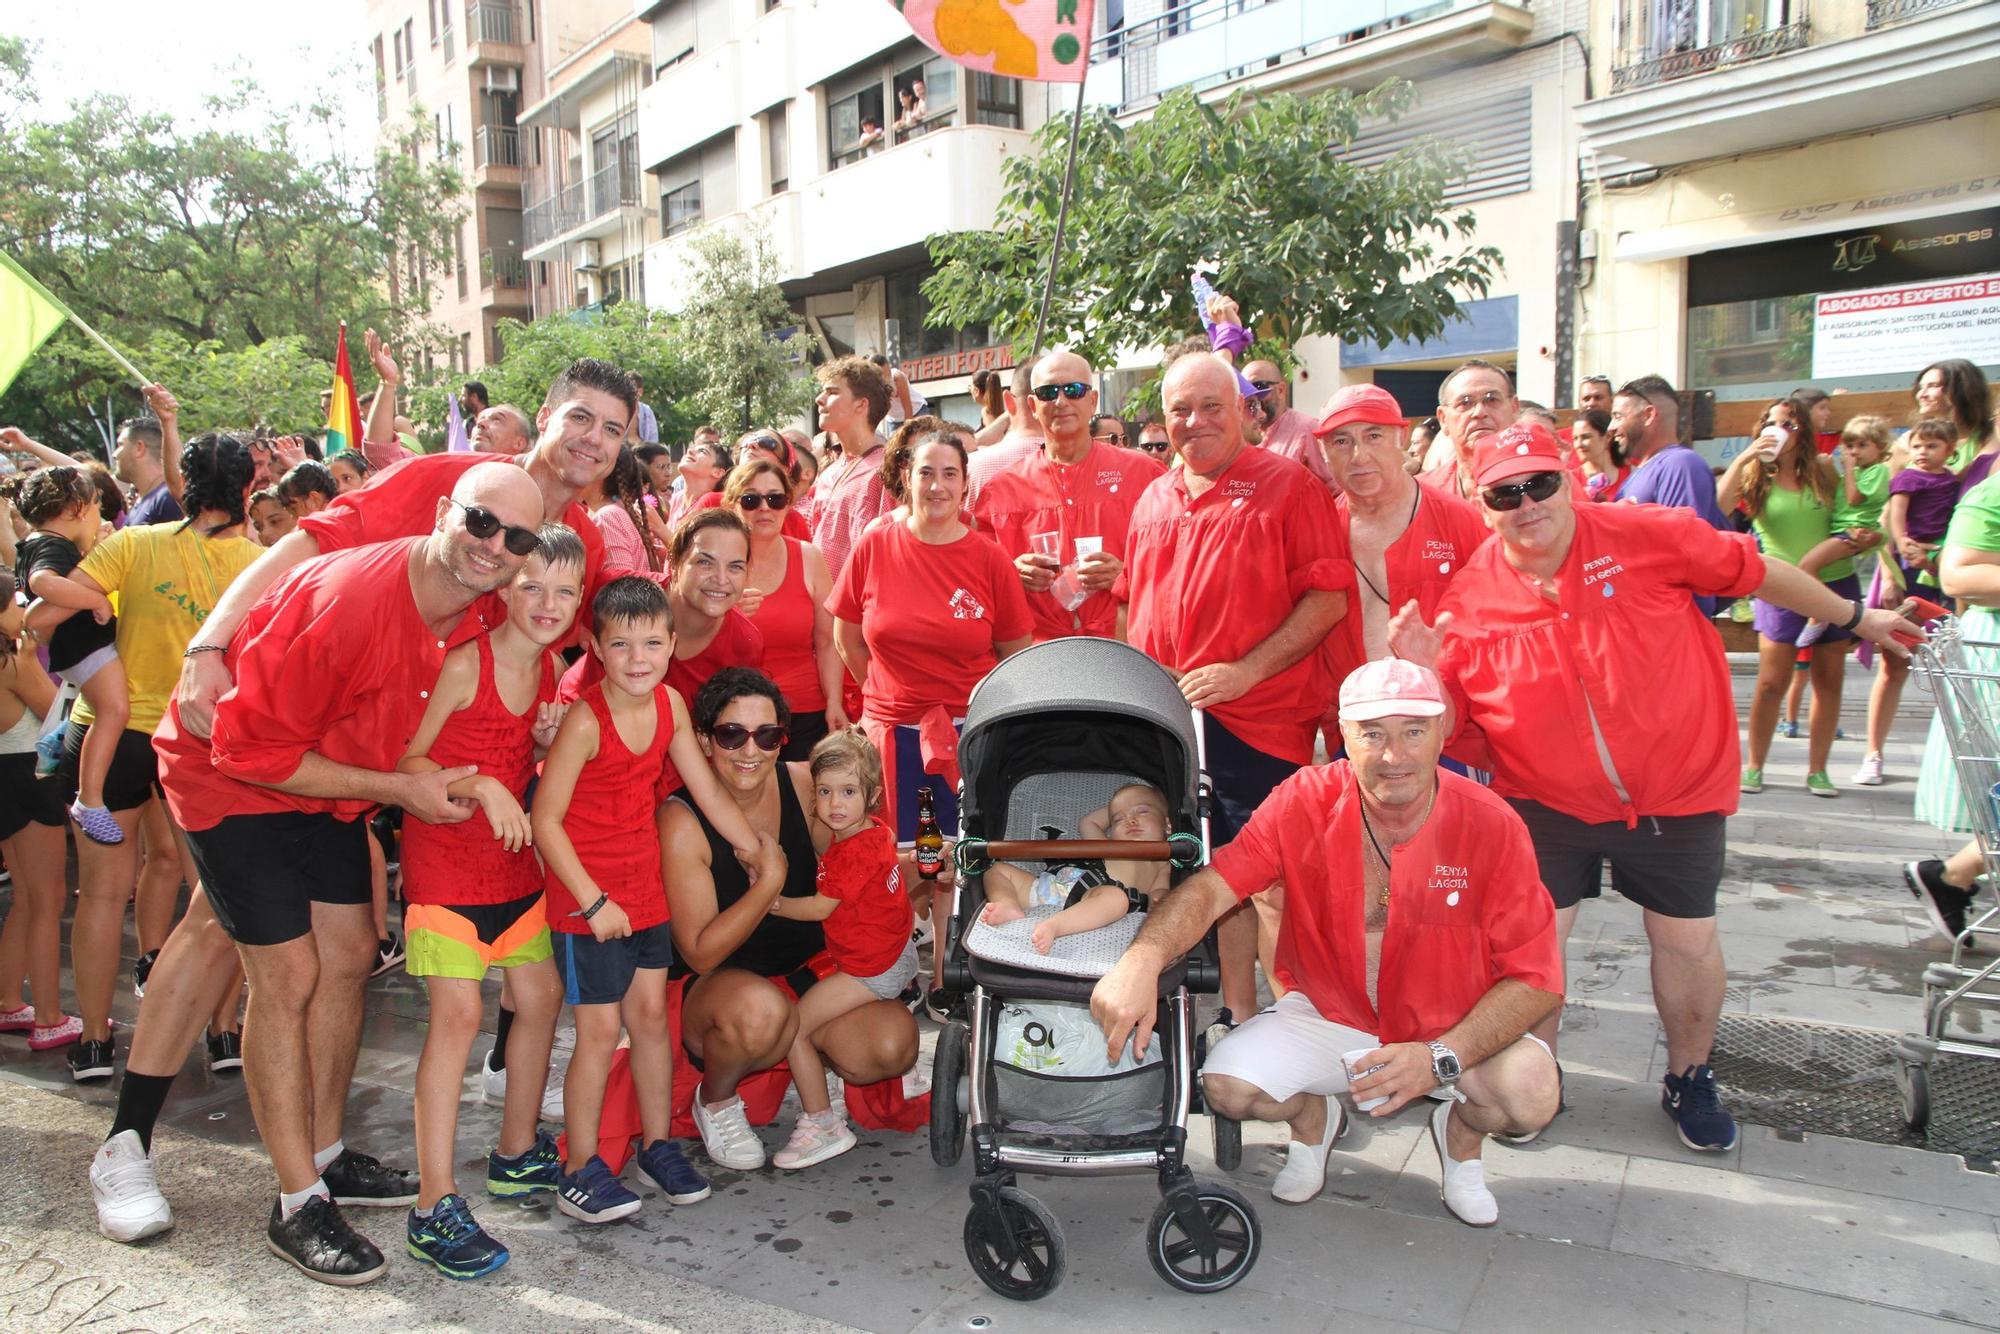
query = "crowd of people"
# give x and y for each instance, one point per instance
(661, 729)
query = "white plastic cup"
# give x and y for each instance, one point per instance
(1355, 1070)
(1047, 544)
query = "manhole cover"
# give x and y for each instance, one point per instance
(1824, 1080)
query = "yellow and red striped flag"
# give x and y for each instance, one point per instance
(1047, 40)
(343, 414)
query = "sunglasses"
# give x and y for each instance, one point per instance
(1155, 446)
(756, 500)
(1508, 495)
(1264, 385)
(1114, 438)
(731, 736)
(482, 523)
(1075, 389)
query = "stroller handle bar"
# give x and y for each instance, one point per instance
(976, 855)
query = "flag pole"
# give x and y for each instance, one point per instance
(1062, 216)
(73, 318)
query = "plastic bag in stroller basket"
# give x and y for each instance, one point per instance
(1052, 1076)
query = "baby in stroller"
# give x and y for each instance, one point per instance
(1091, 895)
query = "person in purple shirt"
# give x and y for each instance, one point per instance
(1921, 499)
(145, 454)
(1645, 414)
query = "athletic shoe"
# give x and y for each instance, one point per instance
(1753, 781)
(17, 1021)
(1304, 1172)
(1944, 903)
(921, 935)
(97, 822)
(815, 1139)
(539, 1168)
(1462, 1185)
(225, 1052)
(1696, 1108)
(594, 1195)
(726, 1134)
(357, 1179)
(127, 1194)
(663, 1161)
(59, 1034)
(388, 953)
(142, 968)
(1820, 785)
(452, 1242)
(90, 1060)
(1870, 772)
(492, 1083)
(1789, 729)
(1530, 1136)
(944, 1006)
(319, 1241)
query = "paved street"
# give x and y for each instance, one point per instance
(1606, 1223)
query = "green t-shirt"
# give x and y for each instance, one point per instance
(1792, 524)
(1873, 485)
(1975, 523)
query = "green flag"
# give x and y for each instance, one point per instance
(28, 315)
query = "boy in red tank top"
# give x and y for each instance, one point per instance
(594, 824)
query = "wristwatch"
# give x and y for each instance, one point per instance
(1444, 1064)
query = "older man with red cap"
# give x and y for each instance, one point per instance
(1572, 652)
(1454, 958)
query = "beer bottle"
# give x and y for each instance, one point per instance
(930, 839)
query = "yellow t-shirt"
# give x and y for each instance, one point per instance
(166, 577)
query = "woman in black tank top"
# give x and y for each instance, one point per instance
(740, 1009)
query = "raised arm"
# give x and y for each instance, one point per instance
(168, 409)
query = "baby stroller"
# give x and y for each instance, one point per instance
(1050, 735)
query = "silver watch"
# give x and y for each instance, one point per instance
(1444, 1064)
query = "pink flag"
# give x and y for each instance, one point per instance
(455, 439)
(1047, 40)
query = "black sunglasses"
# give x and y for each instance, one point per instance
(1155, 446)
(1508, 495)
(756, 500)
(1114, 438)
(482, 523)
(1075, 389)
(1264, 384)
(731, 736)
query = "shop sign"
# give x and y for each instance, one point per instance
(947, 365)
(1861, 256)
(1899, 330)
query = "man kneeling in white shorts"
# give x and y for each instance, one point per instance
(1416, 938)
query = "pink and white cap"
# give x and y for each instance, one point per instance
(1390, 688)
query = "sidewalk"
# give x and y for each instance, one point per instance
(1607, 1222)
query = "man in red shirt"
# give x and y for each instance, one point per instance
(1079, 489)
(1580, 671)
(1475, 400)
(1235, 574)
(332, 670)
(1454, 959)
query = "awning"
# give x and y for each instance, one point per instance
(1742, 229)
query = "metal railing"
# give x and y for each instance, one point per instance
(1697, 39)
(1882, 13)
(502, 269)
(491, 21)
(575, 205)
(496, 146)
(450, 41)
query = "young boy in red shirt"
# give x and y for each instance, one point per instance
(594, 824)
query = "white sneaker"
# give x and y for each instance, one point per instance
(129, 1203)
(1304, 1172)
(1870, 772)
(814, 1140)
(726, 1134)
(1463, 1185)
(492, 1083)
(552, 1093)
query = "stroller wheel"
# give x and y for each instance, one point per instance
(1228, 1142)
(947, 1115)
(1026, 1260)
(1913, 1082)
(1178, 1258)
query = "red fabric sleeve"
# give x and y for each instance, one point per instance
(1317, 556)
(1517, 913)
(1720, 562)
(292, 679)
(846, 601)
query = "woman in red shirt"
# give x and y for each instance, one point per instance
(785, 596)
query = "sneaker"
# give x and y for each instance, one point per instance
(594, 1195)
(1870, 772)
(913, 996)
(1944, 904)
(225, 1052)
(127, 1194)
(388, 953)
(815, 1139)
(1462, 1185)
(17, 1021)
(452, 1242)
(538, 1169)
(726, 1134)
(90, 1060)
(1304, 1172)
(1530, 1136)
(944, 1006)
(59, 1034)
(1820, 785)
(1699, 1119)
(355, 1178)
(97, 822)
(921, 935)
(142, 968)
(1789, 729)
(492, 1083)
(319, 1241)
(663, 1161)
(1753, 781)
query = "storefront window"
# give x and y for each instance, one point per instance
(911, 311)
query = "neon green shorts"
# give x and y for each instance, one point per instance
(467, 939)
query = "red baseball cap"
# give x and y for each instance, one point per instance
(1521, 449)
(1390, 688)
(1359, 403)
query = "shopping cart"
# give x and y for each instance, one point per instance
(1964, 678)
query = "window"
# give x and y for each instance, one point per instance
(434, 22)
(381, 82)
(1765, 316)
(465, 354)
(680, 208)
(996, 101)
(398, 41)
(906, 305)
(698, 185)
(854, 125)
(458, 255)
(777, 147)
(688, 28)
(926, 96)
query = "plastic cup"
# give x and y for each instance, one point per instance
(1355, 1070)
(1047, 544)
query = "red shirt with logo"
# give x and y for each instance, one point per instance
(931, 616)
(1091, 498)
(1466, 903)
(1210, 577)
(1623, 655)
(1443, 533)
(868, 931)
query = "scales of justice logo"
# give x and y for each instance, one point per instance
(1851, 253)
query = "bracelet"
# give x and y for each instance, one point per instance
(587, 913)
(193, 649)
(1859, 609)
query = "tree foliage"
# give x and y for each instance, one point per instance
(627, 335)
(741, 373)
(1258, 191)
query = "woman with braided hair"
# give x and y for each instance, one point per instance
(618, 506)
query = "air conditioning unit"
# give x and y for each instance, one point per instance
(586, 260)
(503, 79)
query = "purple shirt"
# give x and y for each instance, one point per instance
(156, 506)
(1932, 495)
(1675, 476)
(1975, 472)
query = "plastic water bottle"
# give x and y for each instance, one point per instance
(1203, 294)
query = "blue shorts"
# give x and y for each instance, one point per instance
(910, 776)
(1242, 777)
(599, 972)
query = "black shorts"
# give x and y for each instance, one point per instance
(599, 972)
(263, 873)
(26, 799)
(1668, 864)
(134, 776)
(1243, 776)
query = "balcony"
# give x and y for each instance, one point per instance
(502, 271)
(956, 171)
(701, 97)
(593, 207)
(668, 261)
(834, 36)
(1709, 88)
(494, 33)
(496, 155)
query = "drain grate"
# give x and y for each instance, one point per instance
(1824, 1080)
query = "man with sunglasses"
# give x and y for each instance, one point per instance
(1581, 673)
(1153, 442)
(1107, 429)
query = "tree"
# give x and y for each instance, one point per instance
(627, 335)
(742, 373)
(1258, 189)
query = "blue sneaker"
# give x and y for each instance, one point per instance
(594, 1195)
(1789, 728)
(1691, 1100)
(663, 1161)
(452, 1243)
(540, 1168)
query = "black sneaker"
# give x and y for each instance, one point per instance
(319, 1241)
(355, 1178)
(90, 1060)
(225, 1052)
(452, 1242)
(388, 953)
(1696, 1108)
(142, 968)
(1944, 903)
(944, 1006)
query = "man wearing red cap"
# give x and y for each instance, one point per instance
(1581, 673)
(1456, 958)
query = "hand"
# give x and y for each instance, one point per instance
(164, 405)
(836, 714)
(750, 600)
(385, 365)
(1036, 570)
(1044, 935)
(504, 814)
(999, 913)
(610, 923)
(428, 796)
(1413, 641)
(1404, 1077)
(288, 452)
(204, 680)
(100, 610)
(13, 437)
(1125, 1002)
(1224, 310)
(767, 863)
(1217, 683)
(548, 717)
(1889, 631)
(1098, 571)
